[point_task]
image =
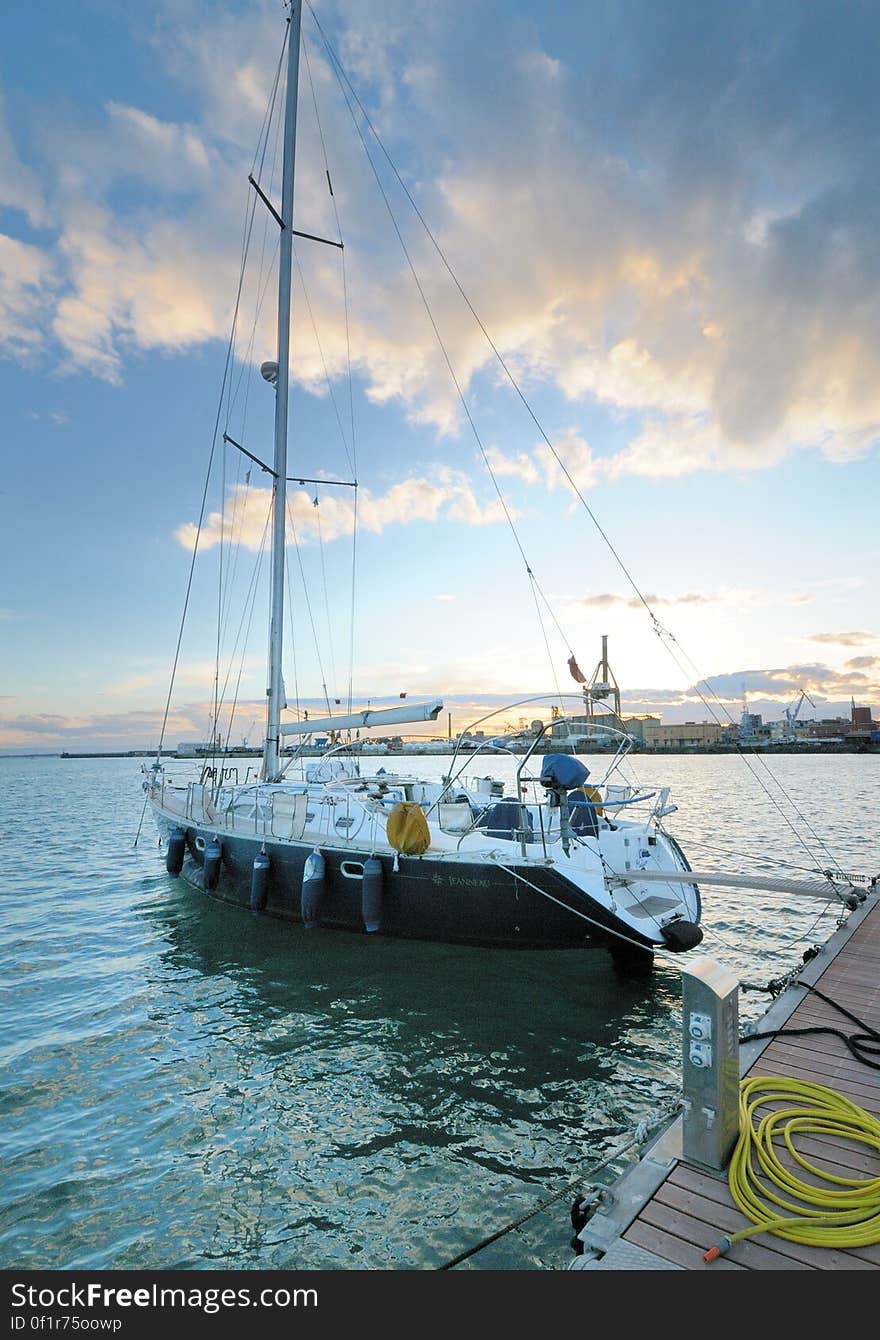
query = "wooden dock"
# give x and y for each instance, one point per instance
(664, 1213)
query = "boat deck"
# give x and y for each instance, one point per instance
(665, 1212)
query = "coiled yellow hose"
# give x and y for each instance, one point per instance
(846, 1214)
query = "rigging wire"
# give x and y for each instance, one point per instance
(201, 519)
(831, 906)
(342, 76)
(248, 226)
(257, 172)
(764, 858)
(658, 1117)
(441, 343)
(289, 608)
(342, 253)
(354, 535)
(308, 607)
(239, 506)
(224, 595)
(768, 793)
(232, 393)
(237, 524)
(246, 361)
(248, 608)
(214, 737)
(327, 378)
(346, 308)
(326, 593)
(701, 680)
(244, 646)
(535, 589)
(345, 84)
(347, 453)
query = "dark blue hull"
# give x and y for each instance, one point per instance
(423, 899)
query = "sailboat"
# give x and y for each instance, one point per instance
(557, 859)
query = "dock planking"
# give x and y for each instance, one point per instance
(689, 1208)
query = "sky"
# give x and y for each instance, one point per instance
(665, 218)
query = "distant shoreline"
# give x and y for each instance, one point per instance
(820, 747)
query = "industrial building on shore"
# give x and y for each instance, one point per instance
(603, 712)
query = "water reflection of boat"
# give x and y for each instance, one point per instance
(352, 1103)
(563, 1018)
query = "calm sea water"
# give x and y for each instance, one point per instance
(187, 1086)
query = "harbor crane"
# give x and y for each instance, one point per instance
(791, 714)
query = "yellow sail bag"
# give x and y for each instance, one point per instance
(407, 829)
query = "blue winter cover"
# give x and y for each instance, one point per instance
(563, 770)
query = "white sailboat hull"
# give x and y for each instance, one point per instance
(479, 886)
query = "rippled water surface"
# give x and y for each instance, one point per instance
(187, 1086)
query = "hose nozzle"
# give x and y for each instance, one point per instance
(719, 1249)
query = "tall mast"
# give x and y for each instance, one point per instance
(271, 753)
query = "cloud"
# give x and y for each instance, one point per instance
(188, 674)
(678, 305)
(148, 287)
(681, 444)
(19, 185)
(132, 684)
(836, 583)
(27, 290)
(412, 500)
(520, 466)
(41, 723)
(768, 691)
(736, 597)
(607, 599)
(570, 465)
(57, 417)
(177, 151)
(682, 236)
(854, 639)
(785, 682)
(136, 728)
